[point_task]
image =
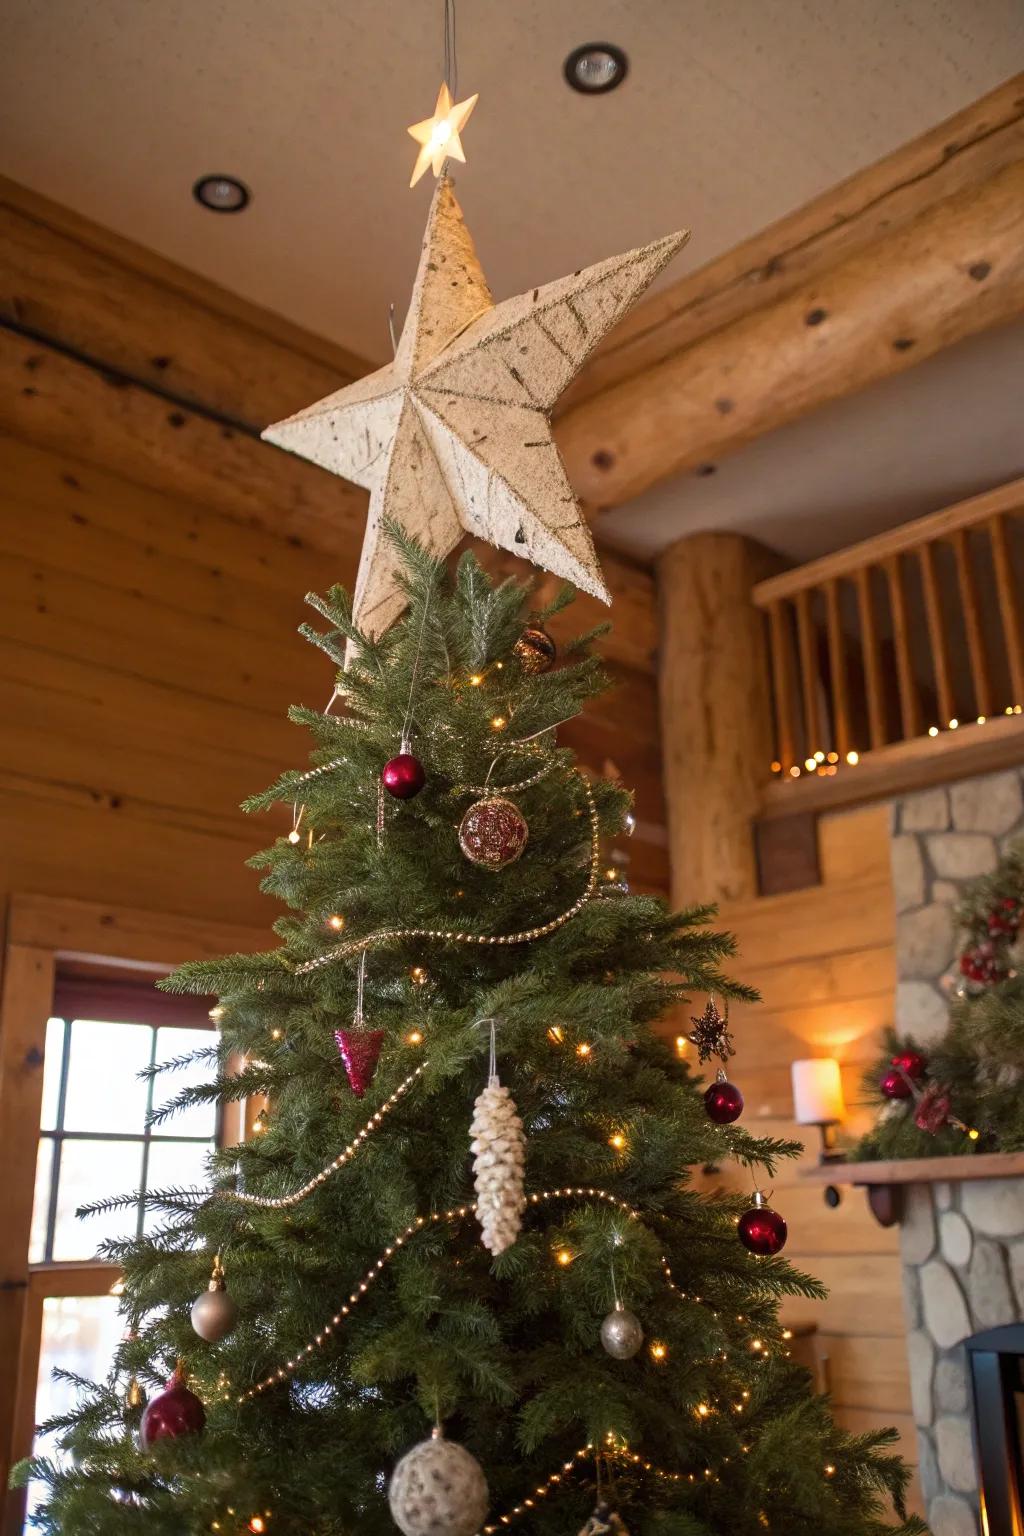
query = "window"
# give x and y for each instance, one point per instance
(95, 1138)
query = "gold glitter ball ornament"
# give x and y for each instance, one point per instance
(493, 832)
(535, 650)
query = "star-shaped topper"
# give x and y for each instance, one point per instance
(710, 1034)
(454, 435)
(438, 136)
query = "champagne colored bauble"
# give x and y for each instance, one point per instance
(723, 1102)
(535, 650)
(493, 833)
(621, 1333)
(172, 1413)
(404, 776)
(214, 1314)
(763, 1232)
(438, 1489)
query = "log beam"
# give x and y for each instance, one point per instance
(954, 271)
(716, 731)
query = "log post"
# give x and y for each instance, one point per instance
(715, 713)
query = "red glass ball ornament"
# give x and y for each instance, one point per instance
(912, 1063)
(763, 1231)
(723, 1102)
(404, 776)
(173, 1412)
(894, 1085)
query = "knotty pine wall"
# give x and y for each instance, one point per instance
(823, 960)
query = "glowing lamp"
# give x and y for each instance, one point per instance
(818, 1099)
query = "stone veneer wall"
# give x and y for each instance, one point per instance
(962, 1244)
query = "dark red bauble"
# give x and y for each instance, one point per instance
(404, 776)
(912, 1063)
(894, 1085)
(723, 1102)
(763, 1231)
(173, 1412)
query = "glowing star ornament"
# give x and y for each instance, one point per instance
(453, 437)
(438, 136)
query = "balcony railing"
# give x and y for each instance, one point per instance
(902, 649)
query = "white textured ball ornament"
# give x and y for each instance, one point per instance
(438, 1489)
(621, 1333)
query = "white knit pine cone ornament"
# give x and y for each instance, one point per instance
(499, 1153)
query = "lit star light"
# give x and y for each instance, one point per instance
(454, 435)
(438, 136)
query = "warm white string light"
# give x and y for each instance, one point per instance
(281, 1202)
(552, 1482)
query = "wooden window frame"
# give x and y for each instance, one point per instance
(46, 936)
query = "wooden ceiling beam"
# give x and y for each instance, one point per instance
(904, 258)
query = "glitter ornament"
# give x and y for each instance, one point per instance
(723, 1101)
(493, 833)
(404, 776)
(360, 1051)
(535, 650)
(438, 1489)
(762, 1231)
(172, 1413)
(214, 1313)
(499, 1153)
(894, 1085)
(621, 1333)
(710, 1034)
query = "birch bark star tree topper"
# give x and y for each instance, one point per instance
(454, 435)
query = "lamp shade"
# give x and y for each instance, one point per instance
(817, 1091)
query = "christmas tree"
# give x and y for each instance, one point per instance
(471, 1204)
(962, 1094)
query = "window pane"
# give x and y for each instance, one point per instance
(80, 1333)
(41, 1202)
(201, 1119)
(51, 1073)
(104, 1091)
(89, 1171)
(173, 1165)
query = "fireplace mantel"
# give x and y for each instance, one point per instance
(884, 1180)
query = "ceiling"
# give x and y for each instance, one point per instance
(734, 113)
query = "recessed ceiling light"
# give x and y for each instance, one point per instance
(222, 194)
(596, 68)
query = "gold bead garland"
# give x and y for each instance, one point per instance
(282, 1202)
(441, 936)
(567, 1467)
(454, 1213)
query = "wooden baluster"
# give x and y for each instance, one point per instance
(972, 622)
(837, 670)
(808, 670)
(909, 711)
(869, 650)
(780, 645)
(936, 633)
(1009, 608)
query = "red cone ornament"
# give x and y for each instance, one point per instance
(360, 1051)
(894, 1085)
(723, 1101)
(173, 1412)
(912, 1063)
(763, 1231)
(404, 776)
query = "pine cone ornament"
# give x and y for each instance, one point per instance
(499, 1152)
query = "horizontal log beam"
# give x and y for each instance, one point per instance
(959, 153)
(955, 270)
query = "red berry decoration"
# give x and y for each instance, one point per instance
(894, 1085)
(723, 1101)
(173, 1412)
(933, 1109)
(360, 1051)
(404, 776)
(1005, 918)
(763, 1231)
(912, 1063)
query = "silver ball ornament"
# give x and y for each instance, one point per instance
(621, 1333)
(438, 1489)
(214, 1313)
